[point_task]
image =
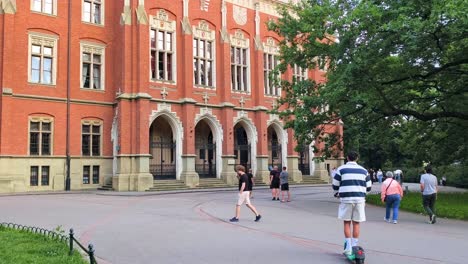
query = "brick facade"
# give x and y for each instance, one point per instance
(148, 118)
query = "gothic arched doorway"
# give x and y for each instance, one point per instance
(205, 147)
(242, 150)
(274, 148)
(162, 150)
(304, 159)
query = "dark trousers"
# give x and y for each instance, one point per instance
(429, 203)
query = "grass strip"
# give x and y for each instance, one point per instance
(449, 205)
(22, 247)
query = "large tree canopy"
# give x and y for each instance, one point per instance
(396, 74)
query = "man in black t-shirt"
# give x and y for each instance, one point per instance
(244, 194)
(275, 183)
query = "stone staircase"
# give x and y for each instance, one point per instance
(206, 183)
(258, 181)
(106, 187)
(168, 185)
(309, 180)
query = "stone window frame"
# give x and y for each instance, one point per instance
(39, 176)
(240, 43)
(41, 39)
(202, 32)
(91, 123)
(94, 49)
(90, 169)
(102, 3)
(162, 23)
(41, 120)
(42, 7)
(270, 50)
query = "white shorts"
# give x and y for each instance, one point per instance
(352, 212)
(243, 198)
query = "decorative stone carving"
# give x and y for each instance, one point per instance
(161, 21)
(203, 31)
(239, 40)
(240, 15)
(204, 5)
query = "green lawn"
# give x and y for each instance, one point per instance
(21, 247)
(450, 205)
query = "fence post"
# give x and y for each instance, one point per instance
(91, 254)
(71, 241)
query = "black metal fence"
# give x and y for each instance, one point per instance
(54, 235)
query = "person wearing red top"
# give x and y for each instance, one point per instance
(391, 195)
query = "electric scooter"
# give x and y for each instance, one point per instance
(358, 255)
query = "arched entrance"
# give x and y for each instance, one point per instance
(205, 147)
(242, 150)
(274, 148)
(162, 150)
(304, 159)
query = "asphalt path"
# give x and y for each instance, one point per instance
(194, 228)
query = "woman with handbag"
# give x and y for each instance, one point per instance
(391, 194)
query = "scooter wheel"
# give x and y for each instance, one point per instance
(359, 261)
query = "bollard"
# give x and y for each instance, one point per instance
(71, 241)
(91, 254)
(406, 189)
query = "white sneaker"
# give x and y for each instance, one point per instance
(395, 221)
(386, 220)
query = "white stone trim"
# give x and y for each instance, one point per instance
(312, 158)
(103, 8)
(252, 135)
(177, 131)
(43, 39)
(217, 129)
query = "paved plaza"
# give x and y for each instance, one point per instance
(193, 227)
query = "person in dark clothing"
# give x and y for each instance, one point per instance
(275, 183)
(251, 181)
(244, 194)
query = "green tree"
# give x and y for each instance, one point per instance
(396, 76)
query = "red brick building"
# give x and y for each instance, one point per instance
(132, 91)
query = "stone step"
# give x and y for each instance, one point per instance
(212, 183)
(106, 187)
(168, 185)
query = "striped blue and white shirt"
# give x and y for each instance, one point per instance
(352, 183)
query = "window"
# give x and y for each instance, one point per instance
(86, 171)
(45, 175)
(240, 63)
(40, 136)
(203, 62)
(87, 174)
(44, 6)
(92, 66)
(42, 59)
(203, 55)
(34, 176)
(269, 63)
(92, 11)
(299, 74)
(91, 139)
(95, 174)
(162, 47)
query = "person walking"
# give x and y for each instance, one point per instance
(428, 185)
(391, 194)
(275, 183)
(398, 175)
(352, 183)
(244, 195)
(284, 175)
(379, 175)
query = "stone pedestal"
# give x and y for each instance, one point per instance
(294, 173)
(132, 173)
(262, 169)
(189, 175)
(228, 174)
(321, 171)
